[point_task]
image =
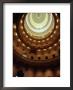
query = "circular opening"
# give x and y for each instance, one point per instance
(39, 25)
(39, 57)
(46, 57)
(31, 57)
(53, 55)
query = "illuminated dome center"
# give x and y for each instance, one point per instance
(39, 25)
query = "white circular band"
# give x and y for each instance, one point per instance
(39, 30)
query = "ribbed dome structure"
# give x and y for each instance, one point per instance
(36, 43)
